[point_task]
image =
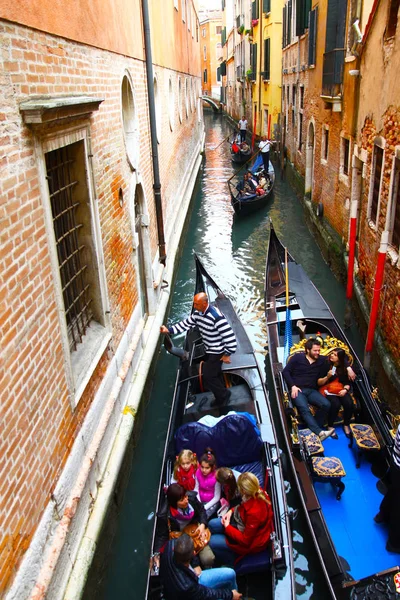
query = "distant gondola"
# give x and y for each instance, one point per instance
(240, 157)
(350, 545)
(245, 205)
(272, 571)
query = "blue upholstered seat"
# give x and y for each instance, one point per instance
(253, 563)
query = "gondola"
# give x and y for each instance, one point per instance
(245, 205)
(240, 157)
(260, 454)
(350, 545)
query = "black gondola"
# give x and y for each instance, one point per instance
(243, 377)
(241, 156)
(246, 204)
(350, 545)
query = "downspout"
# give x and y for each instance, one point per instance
(153, 132)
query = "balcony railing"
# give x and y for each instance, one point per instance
(332, 77)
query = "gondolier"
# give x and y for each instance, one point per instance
(242, 125)
(265, 146)
(219, 341)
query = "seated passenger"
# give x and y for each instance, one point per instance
(182, 582)
(231, 496)
(185, 468)
(181, 509)
(235, 148)
(208, 486)
(336, 382)
(244, 147)
(247, 528)
(248, 187)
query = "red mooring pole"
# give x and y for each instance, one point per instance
(254, 131)
(380, 270)
(352, 249)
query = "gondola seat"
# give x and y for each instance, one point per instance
(255, 467)
(365, 439)
(328, 469)
(312, 440)
(253, 563)
(204, 403)
(235, 439)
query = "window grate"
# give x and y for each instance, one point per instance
(70, 250)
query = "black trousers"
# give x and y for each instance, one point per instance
(213, 378)
(336, 402)
(265, 157)
(390, 506)
(242, 135)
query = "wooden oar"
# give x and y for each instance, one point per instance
(223, 141)
(244, 164)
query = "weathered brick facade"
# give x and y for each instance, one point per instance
(41, 415)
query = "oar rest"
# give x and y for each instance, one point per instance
(365, 439)
(326, 469)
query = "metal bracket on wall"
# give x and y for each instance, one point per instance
(166, 284)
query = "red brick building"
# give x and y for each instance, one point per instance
(83, 239)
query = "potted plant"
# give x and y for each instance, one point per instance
(254, 22)
(249, 75)
(240, 30)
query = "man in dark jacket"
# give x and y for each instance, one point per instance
(182, 582)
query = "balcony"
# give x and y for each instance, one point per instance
(332, 77)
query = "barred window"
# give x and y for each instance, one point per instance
(376, 183)
(69, 200)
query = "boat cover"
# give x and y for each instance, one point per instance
(308, 298)
(236, 440)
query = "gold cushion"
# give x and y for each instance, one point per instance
(327, 466)
(364, 436)
(312, 440)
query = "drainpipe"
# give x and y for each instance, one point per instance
(355, 198)
(260, 7)
(380, 270)
(153, 132)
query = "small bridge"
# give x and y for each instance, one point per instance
(215, 104)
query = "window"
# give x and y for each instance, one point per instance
(267, 59)
(302, 96)
(392, 18)
(205, 76)
(203, 32)
(218, 74)
(180, 98)
(394, 224)
(205, 52)
(375, 184)
(303, 7)
(312, 37)
(300, 130)
(266, 6)
(130, 123)
(171, 105)
(218, 29)
(183, 9)
(325, 143)
(345, 156)
(294, 90)
(73, 217)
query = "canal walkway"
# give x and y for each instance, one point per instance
(234, 253)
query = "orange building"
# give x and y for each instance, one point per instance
(211, 53)
(94, 191)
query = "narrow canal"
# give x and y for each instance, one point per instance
(234, 253)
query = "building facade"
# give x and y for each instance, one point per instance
(211, 53)
(87, 239)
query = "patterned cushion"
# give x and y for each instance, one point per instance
(364, 436)
(325, 466)
(312, 440)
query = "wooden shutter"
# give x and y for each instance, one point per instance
(266, 6)
(312, 36)
(376, 183)
(267, 58)
(284, 32)
(289, 22)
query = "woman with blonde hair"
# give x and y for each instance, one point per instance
(247, 528)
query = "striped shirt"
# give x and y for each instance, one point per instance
(217, 334)
(396, 448)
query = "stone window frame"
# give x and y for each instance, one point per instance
(186, 98)
(171, 103)
(183, 9)
(158, 108)
(324, 150)
(95, 344)
(381, 143)
(392, 196)
(180, 94)
(176, 5)
(130, 121)
(344, 177)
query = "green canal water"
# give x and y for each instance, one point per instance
(234, 253)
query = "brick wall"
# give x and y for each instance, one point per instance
(39, 424)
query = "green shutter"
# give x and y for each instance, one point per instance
(266, 6)
(312, 37)
(284, 36)
(267, 58)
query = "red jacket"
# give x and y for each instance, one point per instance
(257, 517)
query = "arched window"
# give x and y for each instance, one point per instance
(130, 122)
(171, 104)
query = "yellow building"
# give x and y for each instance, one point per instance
(265, 71)
(211, 53)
